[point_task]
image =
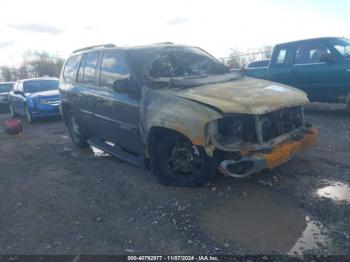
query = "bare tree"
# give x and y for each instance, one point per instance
(8, 74)
(267, 49)
(34, 64)
(236, 59)
(43, 64)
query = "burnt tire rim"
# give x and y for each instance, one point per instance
(182, 159)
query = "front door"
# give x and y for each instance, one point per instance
(320, 80)
(117, 114)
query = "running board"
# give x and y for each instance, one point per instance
(134, 160)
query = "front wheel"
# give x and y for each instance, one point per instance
(76, 133)
(176, 161)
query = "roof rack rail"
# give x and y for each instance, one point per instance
(92, 47)
(164, 43)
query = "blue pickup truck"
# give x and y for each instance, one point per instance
(320, 67)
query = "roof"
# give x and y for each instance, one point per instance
(114, 47)
(311, 39)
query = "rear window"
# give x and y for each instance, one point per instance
(71, 68)
(5, 87)
(39, 86)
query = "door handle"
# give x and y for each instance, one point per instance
(293, 71)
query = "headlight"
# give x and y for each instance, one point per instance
(238, 128)
(266, 125)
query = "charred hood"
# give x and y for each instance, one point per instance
(244, 95)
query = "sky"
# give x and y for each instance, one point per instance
(61, 26)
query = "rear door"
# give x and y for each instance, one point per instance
(87, 90)
(320, 80)
(117, 113)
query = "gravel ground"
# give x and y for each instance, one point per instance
(57, 199)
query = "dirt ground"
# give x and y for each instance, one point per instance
(57, 199)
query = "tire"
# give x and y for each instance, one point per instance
(76, 133)
(28, 115)
(12, 111)
(172, 165)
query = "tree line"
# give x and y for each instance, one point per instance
(34, 64)
(38, 64)
(240, 59)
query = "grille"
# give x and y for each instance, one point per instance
(280, 122)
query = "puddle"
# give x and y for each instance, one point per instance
(336, 191)
(310, 239)
(97, 152)
(259, 221)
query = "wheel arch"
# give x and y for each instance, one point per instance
(156, 133)
(65, 109)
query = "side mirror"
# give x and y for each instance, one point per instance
(125, 85)
(327, 58)
(18, 92)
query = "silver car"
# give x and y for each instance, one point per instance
(5, 88)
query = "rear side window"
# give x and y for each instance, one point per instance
(310, 53)
(70, 70)
(281, 57)
(113, 67)
(90, 68)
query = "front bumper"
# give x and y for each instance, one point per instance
(249, 163)
(41, 111)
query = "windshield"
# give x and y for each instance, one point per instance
(39, 86)
(169, 62)
(5, 87)
(342, 46)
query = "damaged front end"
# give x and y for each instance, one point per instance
(249, 143)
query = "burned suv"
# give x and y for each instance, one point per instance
(180, 111)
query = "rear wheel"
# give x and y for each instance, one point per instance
(13, 113)
(176, 161)
(76, 133)
(28, 115)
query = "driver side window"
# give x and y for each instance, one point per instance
(163, 67)
(113, 67)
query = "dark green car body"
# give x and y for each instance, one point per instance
(320, 67)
